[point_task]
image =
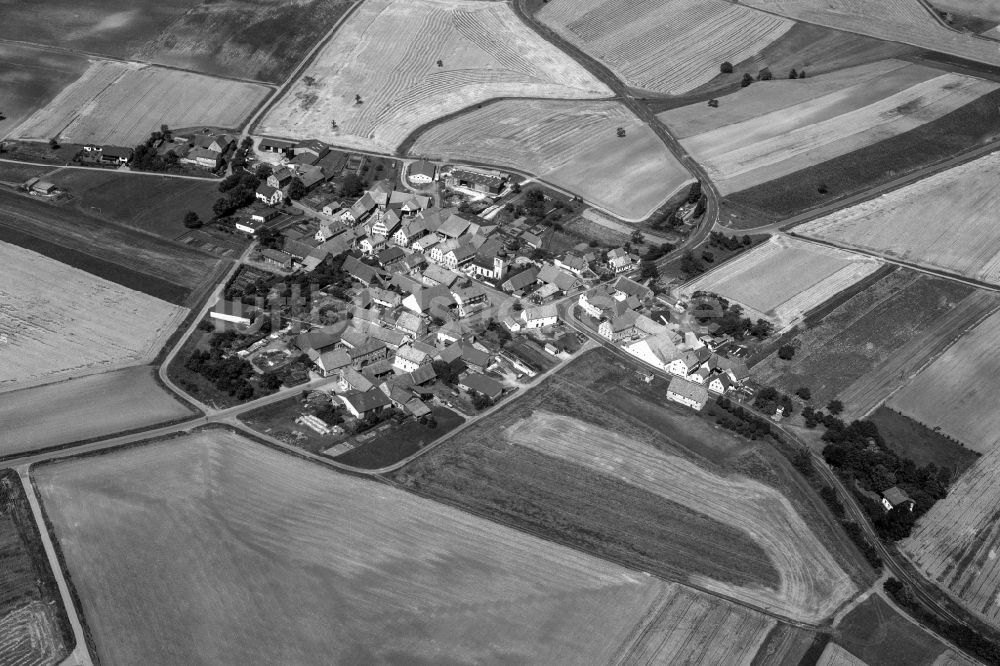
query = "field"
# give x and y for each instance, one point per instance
(30, 78)
(323, 568)
(904, 224)
(893, 314)
(906, 21)
(84, 408)
(256, 39)
(620, 483)
(777, 128)
(668, 47)
(784, 278)
(920, 444)
(951, 392)
(956, 542)
(60, 321)
(484, 50)
(400, 441)
(834, 655)
(785, 646)
(879, 635)
(573, 145)
(33, 628)
(156, 204)
(986, 9)
(121, 103)
(135, 260)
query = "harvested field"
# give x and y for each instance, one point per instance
(30, 78)
(786, 645)
(785, 278)
(899, 313)
(84, 408)
(135, 260)
(59, 321)
(484, 50)
(834, 655)
(121, 103)
(670, 46)
(952, 392)
(255, 39)
(957, 541)
(906, 21)
(765, 142)
(812, 584)
(324, 568)
(570, 144)
(869, 391)
(905, 224)
(986, 9)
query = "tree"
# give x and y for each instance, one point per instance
(835, 407)
(263, 171)
(648, 270)
(765, 75)
(191, 220)
(802, 74)
(793, 74)
(54, 143)
(746, 240)
(695, 192)
(333, 124)
(621, 131)
(804, 393)
(445, 372)
(440, 63)
(714, 103)
(296, 189)
(357, 99)
(352, 186)
(637, 237)
(786, 352)
(726, 67)
(747, 80)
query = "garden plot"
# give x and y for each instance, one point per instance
(575, 145)
(120, 103)
(785, 278)
(446, 55)
(791, 138)
(946, 221)
(57, 321)
(316, 567)
(956, 393)
(906, 21)
(668, 46)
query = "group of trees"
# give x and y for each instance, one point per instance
(239, 190)
(744, 422)
(239, 158)
(710, 308)
(762, 75)
(768, 399)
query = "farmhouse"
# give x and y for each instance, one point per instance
(276, 258)
(545, 315)
(470, 299)
(620, 261)
(895, 497)
(422, 172)
(113, 154)
(460, 257)
(483, 181)
(483, 385)
(624, 288)
(435, 275)
(521, 280)
(687, 393)
(330, 361)
(280, 178)
(657, 350)
(411, 324)
(271, 196)
(352, 380)
(573, 263)
(363, 405)
(409, 359)
(620, 328)
(286, 148)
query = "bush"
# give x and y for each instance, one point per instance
(804, 393)
(726, 67)
(835, 407)
(747, 80)
(786, 352)
(191, 220)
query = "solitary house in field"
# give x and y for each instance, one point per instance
(896, 498)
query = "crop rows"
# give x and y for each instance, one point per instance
(669, 47)
(29, 637)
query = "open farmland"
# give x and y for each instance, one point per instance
(986, 9)
(30, 78)
(777, 128)
(834, 655)
(906, 21)
(34, 630)
(484, 50)
(323, 568)
(906, 224)
(670, 46)
(84, 408)
(59, 321)
(786, 645)
(574, 145)
(121, 103)
(951, 392)
(898, 313)
(957, 541)
(784, 278)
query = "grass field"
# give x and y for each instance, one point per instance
(951, 392)
(574, 145)
(156, 204)
(30, 78)
(920, 444)
(84, 408)
(667, 47)
(34, 630)
(786, 645)
(956, 542)
(135, 260)
(777, 128)
(121, 103)
(879, 635)
(61, 322)
(968, 127)
(906, 21)
(256, 39)
(785, 278)
(873, 326)
(615, 484)
(400, 441)
(15, 174)
(905, 223)
(320, 568)
(484, 50)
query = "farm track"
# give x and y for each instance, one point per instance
(865, 395)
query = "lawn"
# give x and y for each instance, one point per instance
(402, 440)
(31, 77)
(920, 444)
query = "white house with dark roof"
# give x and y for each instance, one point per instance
(687, 393)
(895, 498)
(544, 315)
(422, 172)
(657, 350)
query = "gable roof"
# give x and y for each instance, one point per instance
(370, 399)
(541, 312)
(555, 275)
(689, 390)
(355, 379)
(423, 168)
(631, 288)
(483, 384)
(521, 280)
(441, 275)
(474, 356)
(896, 496)
(454, 226)
(422, 375)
